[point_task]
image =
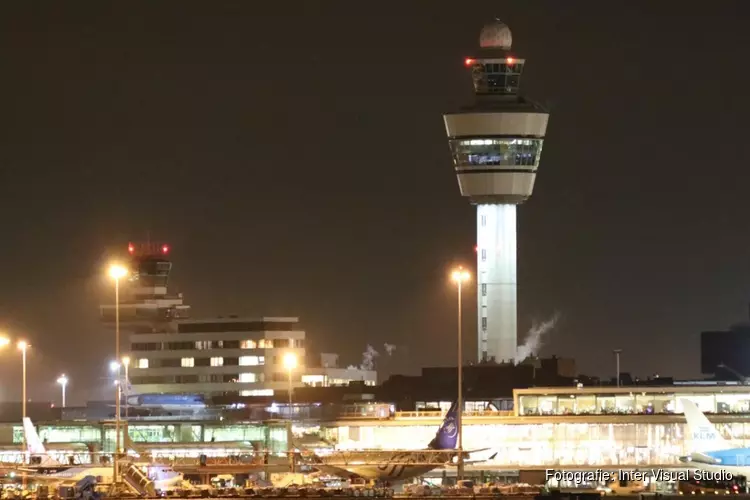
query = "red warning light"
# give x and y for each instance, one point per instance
(476, 248)
(510, 61)
(469, 61)
(165, 249)
(131, 248)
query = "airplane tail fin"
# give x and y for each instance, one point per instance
(704, 435)
(34, 445)
(447, 435)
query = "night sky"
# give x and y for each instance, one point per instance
(293, 154)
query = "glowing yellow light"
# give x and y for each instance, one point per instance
(63, 380)
(22, 345)
(126, 360)
(116, 272)
(4, 341)
(290, 361)
(460, 275)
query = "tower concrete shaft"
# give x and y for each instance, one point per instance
(497, 281)
(496, 145)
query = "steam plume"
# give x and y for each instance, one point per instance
(368, 358)
(389, 348)
(534, 338)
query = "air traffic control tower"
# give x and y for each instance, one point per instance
(496, 145)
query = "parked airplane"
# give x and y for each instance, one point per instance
(710, 451)
(391, 465)
(162, 476)
(167, 401)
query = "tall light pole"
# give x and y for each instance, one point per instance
(126, 364)
(23, 346)
(290, 363)
(63, 381)
(617, 364)
(460, 276)
(117, 272)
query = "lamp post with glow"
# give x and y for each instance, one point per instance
(126, 364)
(460, 276)
(23, 346)
(290, 363)
(617, 364)
(117, 272)
(63, 381)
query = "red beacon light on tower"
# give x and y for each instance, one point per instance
(148, 249)
(469, 62)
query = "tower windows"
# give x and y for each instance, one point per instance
(484, 289)
(217, 361)
(484, 323)
(187, 362)
(484, 220)
(496, 152)
(497, 78)
(484, 255)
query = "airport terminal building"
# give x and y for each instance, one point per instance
(549, 427)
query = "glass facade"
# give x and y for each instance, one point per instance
(72, 434)
(497, 78)
(548, 444)
(496, 152)
(643, 403)
(235, 433)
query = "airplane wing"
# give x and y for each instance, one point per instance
(42, 478)
(699, 458)
(474, 456)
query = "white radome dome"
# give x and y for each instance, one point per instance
(495, 35)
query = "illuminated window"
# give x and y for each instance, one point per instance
(142, 363)
(265, 344)
(248, 377)
(496, 152)
(188, 362)
(203, 344)
(251, 360)
(257, 392)
(217, 361)
(248, 344)
(314, 380)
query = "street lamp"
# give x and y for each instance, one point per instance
(23, 346)
(459, 277)
(63, 381)
(117, 272)
(126, 364)
(290, 363)
(617, 364)
(4, 341)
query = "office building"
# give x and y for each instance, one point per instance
(218, 356)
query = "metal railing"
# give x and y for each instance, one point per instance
(399, 415)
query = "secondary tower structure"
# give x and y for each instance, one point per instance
(146, 305)
(496, 145)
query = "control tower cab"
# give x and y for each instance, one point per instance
(496, 145)
(145, 303)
